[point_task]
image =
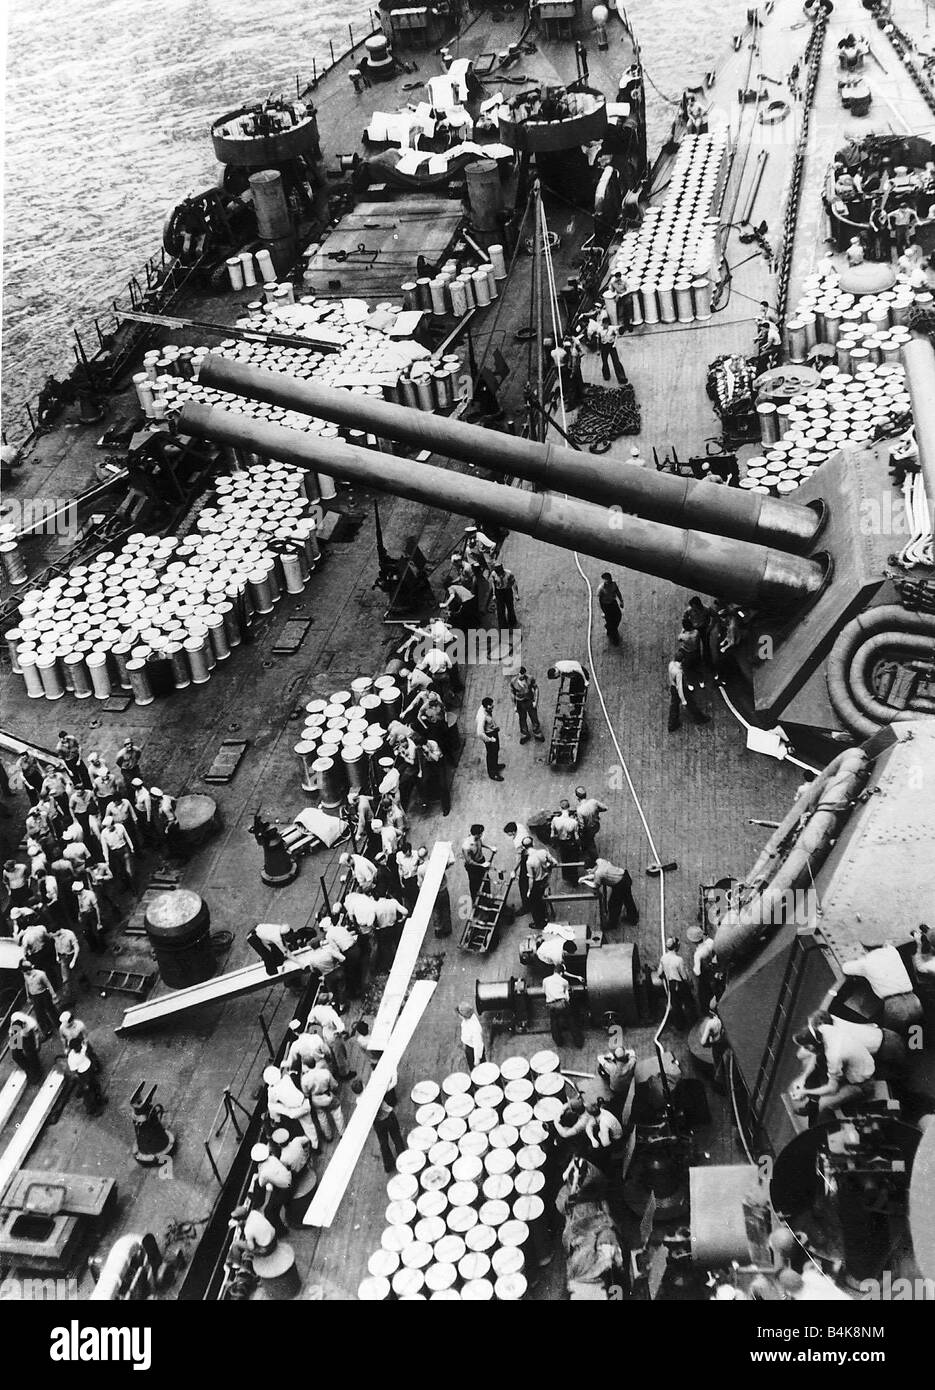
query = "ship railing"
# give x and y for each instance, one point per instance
(235, 1107)
(157, 284)
(679, 127)
(165, 280)
(237, 1127)
(108, 534)
(21, 421)
(372, 24)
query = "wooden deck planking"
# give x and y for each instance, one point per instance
(393, 239)
(680, 778)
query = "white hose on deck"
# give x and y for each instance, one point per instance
(657, 859)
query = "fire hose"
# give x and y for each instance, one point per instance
(887, 629)
(793, 854)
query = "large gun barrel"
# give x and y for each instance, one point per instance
(656, 496)
(730, 569)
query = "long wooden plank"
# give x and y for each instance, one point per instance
(344, 1160)
(410, 944)
(226, 330)
(221, 987)
(30, 1128)
(11, 744)
(10, 954)
(10, 1094)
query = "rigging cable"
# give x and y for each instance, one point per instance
(673, 101)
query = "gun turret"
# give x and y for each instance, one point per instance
(732, 569)
(655, 496)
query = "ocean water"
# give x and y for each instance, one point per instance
(107, 116)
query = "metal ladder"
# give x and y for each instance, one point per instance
(135, 982)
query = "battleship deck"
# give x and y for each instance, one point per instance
(699, 787)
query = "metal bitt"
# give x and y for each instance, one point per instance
(154, 1142)
(731, 569)
(279, 865)
(919, 361)
(656, 496)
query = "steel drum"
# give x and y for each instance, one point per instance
(504, 1137)
(494, 1213)
(443, 1154)
(439, 1277)
(410, 1161)
(422, 1138)
(408, 1282)
(463, 1194)
(477, 1291)
(376, 1289)
(396, 1238)
(510, 1288)
(434, 1178)
(423, 1092)
(418, 1254)
(474, 1142)
(519, 1090)
(509, 1259)
(461, 1219)
(532, 1156)
(467, 1168)
(498, 1187)
(383, 1263)
(430, 1229)
(485, 1074)
(431, 1203)
(450, 1248)
(403, 1187)
(474, 1265)
(400, 1213)
(544, 1062)
(457, 1107)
